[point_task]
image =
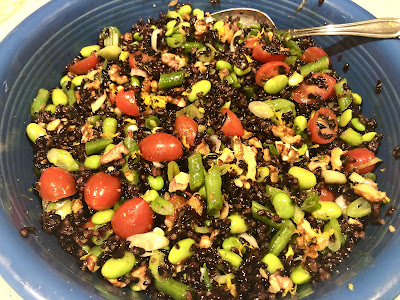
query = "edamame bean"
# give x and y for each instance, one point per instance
(221, 64)
(198, 13)
(240, 72)
(110, 126)
(59, 97)
(124, 55)
(203, 87)
(186, 9)
(51, 108)
(218, 25)
(327, 211)
(368, 136)
(162, 206)
(357, 100)
(306, 179)
(150, 195)
(238, 224)
(137, 37)
(358, 208)
(181, 251)
(351, 137)
(93, 162)
(34, 131)
(232, 242)
(273, 263)
(87, 51)
(345, 117)
(77, 80)
(117, 267)
(96, 251)
(283, 205)
(300, 123)
(357, 124)
(110, 52)
(299, 275)
(65, 79)
(295, 79)
(102, 217)
(62, 159)
(276, 84)
(232, 258)
(109, 147)
(156, 183)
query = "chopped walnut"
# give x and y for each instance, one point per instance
(195, 203)
(179, 183)
(247, 154)
(278, 283)
(95, 85)
(319, 162)
(116, 76)
(53, 125)
(247, 135)
(127, 37)
(114, 153)
(87, 133)
(91, 263)
(273, 173)
(178, 101)
(77, 205)
(242, 182)
(286, 134)
(78, 97)
(116, 283)
(205, 242)
(173, 61)
(202, 148)
(201, 67)
(287, 152)
(311, 241)
(266, 156)
(226, 157)
(255, 142)
(369, 192)
(141, 274)
(223, 73)
(224, 211)
(336, 162)
(200, 27)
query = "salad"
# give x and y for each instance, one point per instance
(197, 159)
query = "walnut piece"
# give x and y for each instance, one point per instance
(195, 203)
(173, 61)
(369, 192)
(278, 283)
(317, 162)
(95, 85)
(205, 242)
(286, 134)
(200, 27)
(273, 173)
(202, 148)
(141, 274)
(87, 132)
(116, 76)
(116, 283)
(287, 152)
(91, 263)
(114, 154)
(179, 183)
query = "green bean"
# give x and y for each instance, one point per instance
(232, 258)
(306, 179)
(59, 97)
(176, 40)
(204, 55)
(97, 146)
(346, 117)
(110, 52)
(295, 79)
(256, 208)
(358, 208)
(102, 217)
(316, 66)
(351, 137)
(111, 36)
(173, 288)
(131, 145)
(162, 207)
(337, 232)
(96, 251)
(124, 55)
(298, 214)
(281, 237)
(172, 170)
(132, 176)
(344, 102)
(34, 131)
(232, 80)
(39, 103)
(185, 9)
(311, 203)
(283, 205)
(327, 211)
(202, 192)
(207, 280)
(87, 51)
(357, 100)
(371, 176)
(299, 275)
(62, 159)
(196, 171)
(189, 46)
(61, 208)
(117, 267)
(294, 48)
(238, 224)
(137, 37)
(340, 88)
(232, 242)
(51, 108)
(191, 111)
(213, 185)
(299, 124)
(367, 137)
(276, 84)
(221, 64)
(241, 72)
(198, 13)
(156, 260)
(291, 60)
(93, 162)
(134, 81)
(357, 124)
(110, 126)
(273, 263)
(156, 183)
(202, 86)
(181, 251)
(94, 120)
(69, 92)
(171, 79)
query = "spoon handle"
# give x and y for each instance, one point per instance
(376, 28)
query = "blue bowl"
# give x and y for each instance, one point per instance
(34, 55)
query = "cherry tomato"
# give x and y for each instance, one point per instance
(362, 156)
(160, 147)
(326, 195)
(309, 93)
(102, 191)
(133, 61)
(56, 183)
(232, 125)
(88, 225)
(178, 202)
(271, 69)
(187, 129)
(251, 42)
(313, 53)
(127, 103)
(323, 126)
(264, 56)
(85, 65)
(132, 217)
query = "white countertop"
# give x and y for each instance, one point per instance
(17, 10)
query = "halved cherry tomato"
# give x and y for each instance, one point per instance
(271, 69)
(251, 42)
(132, 217)
(323, 126)
(187, 129)
(232, 125)
(126, 101)
(85, 65)
(178, 202)
(309, 93)
(326, 195)
(102, 191)
(133, 61)
(264, 56)
(56, 183)
(362, 156)
(313, 53)
(160, 147)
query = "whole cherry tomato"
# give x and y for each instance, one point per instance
(132, 217)
(308, 93)
(160, 147)
(133, 61)
(323, 126)
(127, 103)
(361, 156)
(264, 56)
(85, 65)
(313, 53)
(56, 183)
(187, 129)
(102, 191)
(271, 69)
(232, 125)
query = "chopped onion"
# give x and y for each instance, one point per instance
(333, 177)
(202, 272)
(98, 103)
(250, 239)
(261, 109)
(214, 138)
(139, 72)
(341, 202)
(232, 46)
(158, 165)
(154, 37)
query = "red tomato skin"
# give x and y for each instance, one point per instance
(88, 225)
(232, 125)
(326, 195)
(132, 60)
(56, 183)
(269, 70)
(126, 101)
(261, 55)
(251, 42)
(85, 65)
(313, 53)
(187, 129)
(160, 147)
(102, 191)
(300, 94)
(362, 156)
(132, 217)
(313, 128)
(178, 202)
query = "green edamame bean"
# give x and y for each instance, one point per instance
(368, 136)
(203, 87)
(300, 123)
(110, 52)
(102, 217)
(218, 25)
(93, 162)
(117, 267)
(352, 137)
(273, 263)
(198, 13)
(358, 208)
(276, 84)
(186, 9)
(327, 211)
(109, 147)
(62, 159)
(87, 51)
(238, 224)
(77, 80)
(137, 37)
(110, 125)
(232, 258)
(357, 124)
(156, 183)
(240, 72)
(299, 275)
(306, 179)
(150, 195)
(34, 131)
(162, 206)
(64, 79)
(295, 79)
(181, 251)
(124, 55)
(345, 117)
(51, 108)
(283, 205)
(59, 97)
(221, 64)
(232, 242)
(357, 100)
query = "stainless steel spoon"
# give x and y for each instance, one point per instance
(376, 28)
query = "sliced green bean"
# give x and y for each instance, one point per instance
(111, 36)
(171, 79)
(134, 81)
(162, 207)
(311, 203)
(61, 207)
(333, 224)
(173, 288)
(156, 183)
(256, 208)
(299, 275)
(213, 185)
(232, 258)
(351, 137)
(295, 79)
(207, 279)
(359, 208)
(196, 171)
(281, 238)
(152, 122)
(39, 103)
(189, 46)
(69, 92)
(241, 72)
(294, 48)
(97, 146)
(316, 66)
(176, 40)
(340, 88)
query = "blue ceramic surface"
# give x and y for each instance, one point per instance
(34, 55)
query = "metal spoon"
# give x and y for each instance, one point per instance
(376, 28)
